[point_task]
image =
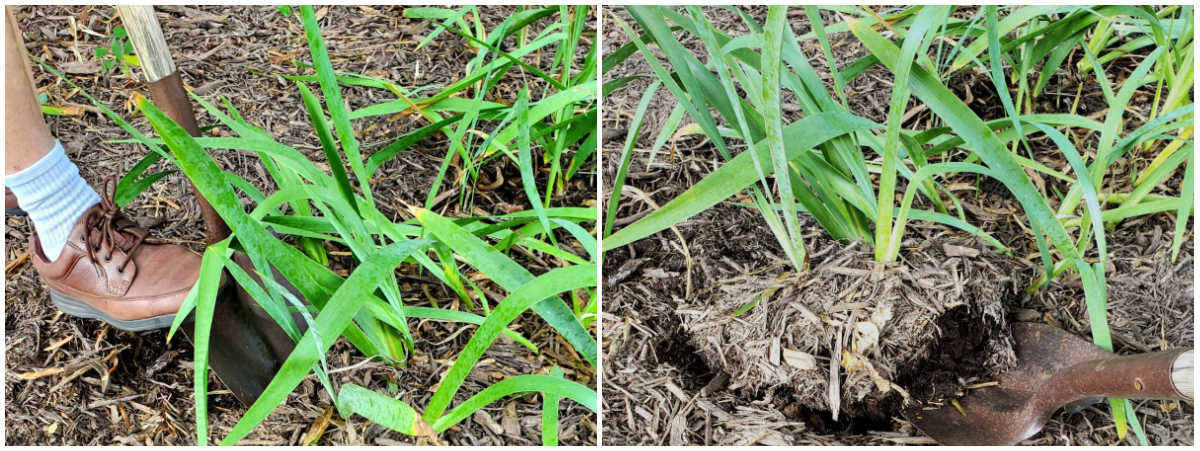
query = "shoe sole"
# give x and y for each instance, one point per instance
(14, 212)
(80, 309)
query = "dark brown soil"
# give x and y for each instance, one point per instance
(100, 386)
(664, 385)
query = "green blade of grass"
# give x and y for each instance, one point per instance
(818, 25)
(463, 317)
(384, 411)
(550, 412)
(887, 243)
(510, 276)
(336, 165)
(543, 287)
(486, 108)
(203, 297)
(544, 108)
(1131, 415)
(635, 128)
(275, 308)
(511, 58)
(525, 161)
(404, 142)
(736, 175)
(334, 102)
(1186, 202)
(772, 62)
(1153, 176)
(668, 131)
(586, 149)
(129, 188)
(518, 384)
(996, 64)
(1090, 196)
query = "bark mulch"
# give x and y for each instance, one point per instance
(78, 382)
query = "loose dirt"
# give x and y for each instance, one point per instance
(79, 382)
(881, 332)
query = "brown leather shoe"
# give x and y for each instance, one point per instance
(111, 270)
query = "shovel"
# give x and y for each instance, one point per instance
(246, 346)
(1054, 368)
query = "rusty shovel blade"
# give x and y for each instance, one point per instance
(1054, 368)
(246, 347)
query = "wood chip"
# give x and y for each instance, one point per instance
(80, 68)
(959, 251)
(58, 343)
(508, 420)
(16, 262)
(317, 428)
(982, 385)
(110, 402)
(675, 390)
(774, 354)
(835, 388)
(31, 375)
(799, 359)
(483, 419)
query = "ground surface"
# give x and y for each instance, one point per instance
(100, 386)
(659, 390)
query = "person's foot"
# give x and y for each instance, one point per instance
(111, 270)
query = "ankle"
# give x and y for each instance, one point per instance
(54, 196)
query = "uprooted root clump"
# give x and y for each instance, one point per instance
(918, 328)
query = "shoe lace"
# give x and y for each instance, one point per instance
(107, 229)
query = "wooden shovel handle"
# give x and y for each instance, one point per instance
(148, 43)
(1156, 375)
(166, 90)
(1182, 373)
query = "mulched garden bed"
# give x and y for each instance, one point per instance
(79, 382)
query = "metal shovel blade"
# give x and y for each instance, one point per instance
(246, 347)
(1054, 368)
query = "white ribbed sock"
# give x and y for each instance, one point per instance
(54, 195)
